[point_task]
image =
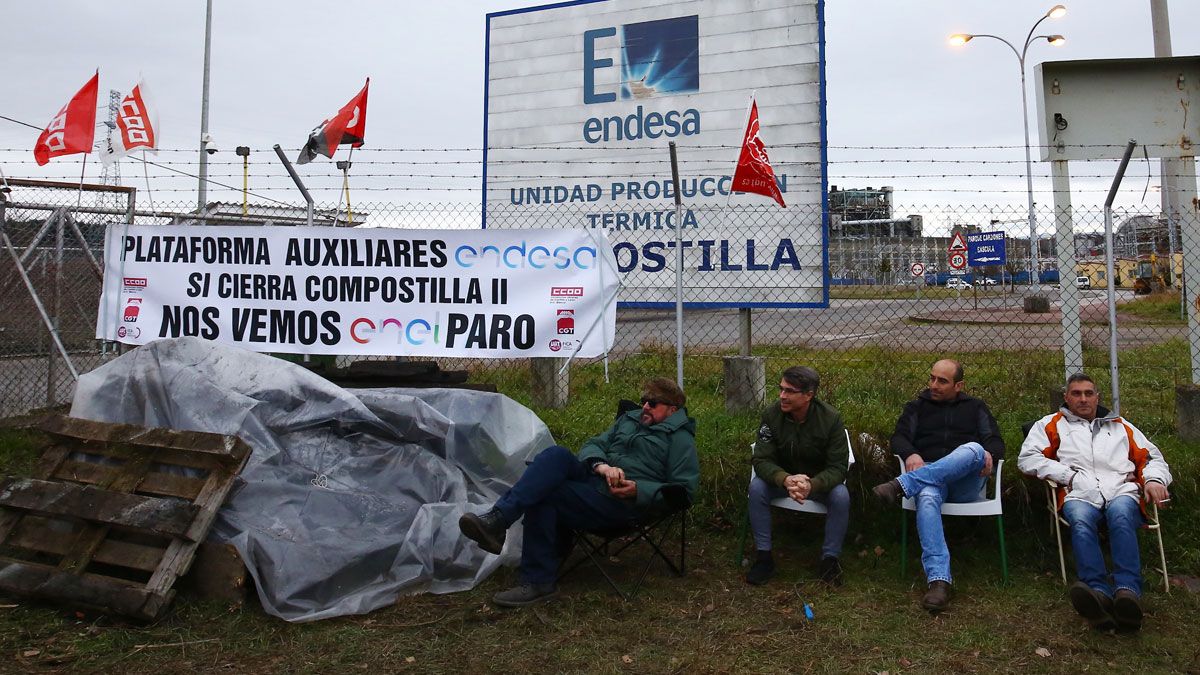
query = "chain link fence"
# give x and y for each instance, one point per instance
(874, 288)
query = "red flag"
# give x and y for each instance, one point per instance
(754, 173)
(74, 127)
(348, 126)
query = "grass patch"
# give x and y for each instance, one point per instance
(1155, 308)
(710, 621)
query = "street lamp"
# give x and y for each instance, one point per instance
(960, 39)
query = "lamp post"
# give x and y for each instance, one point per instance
(960, 39)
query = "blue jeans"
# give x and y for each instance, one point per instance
(954, 478)
(1124, 518)
(836, 522)
(557, 492)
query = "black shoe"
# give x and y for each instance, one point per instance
(1094, 606)
(524, 595)
(1127, 608)
(937, 597)
(889, 492)
(831, 571)
(487, 530)
(762, 569)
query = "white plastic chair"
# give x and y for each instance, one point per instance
(984, 506)
(1152, 523)
(809, 505)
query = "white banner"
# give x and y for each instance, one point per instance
(324, 290)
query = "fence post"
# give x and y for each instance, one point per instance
(551, 388)
(1064, 238)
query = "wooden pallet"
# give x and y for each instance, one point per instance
(113, 514)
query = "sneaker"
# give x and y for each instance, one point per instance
(487, 530)
(1092, 605)
(937, 597)
(762, 569)
(524, 595)
(831, 571)
(1127, 608)
(889, 492)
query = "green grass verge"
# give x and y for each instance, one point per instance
(1155, 308)
(905, 292)
(710, 621)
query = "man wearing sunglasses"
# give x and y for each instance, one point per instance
(949, 443)
(800, 453)
(616, 476)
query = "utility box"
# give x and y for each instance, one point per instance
(1088, 110)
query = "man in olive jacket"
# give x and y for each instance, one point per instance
(617, 476)
(801, 453)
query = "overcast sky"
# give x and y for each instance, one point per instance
(279, 67)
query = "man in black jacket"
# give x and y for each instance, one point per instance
(949, 443)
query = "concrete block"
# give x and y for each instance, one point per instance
(745, 383)
(550, 389)
(1187, 412)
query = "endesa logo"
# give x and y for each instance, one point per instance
(523, 256)
(657, 57)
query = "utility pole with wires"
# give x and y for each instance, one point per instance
(111, 174)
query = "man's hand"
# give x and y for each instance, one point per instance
(913, 462)
(1157, 493)
(614, 476)
(626, 489)
(798, 487)
(987, 464)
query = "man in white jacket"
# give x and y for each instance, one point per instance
(1104, 468)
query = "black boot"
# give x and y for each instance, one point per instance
(831, 571)
(762, 569)
(487, 530)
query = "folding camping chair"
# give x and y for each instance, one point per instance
(787, 503)
(984, 506)
(653, 528)
(1152, 523)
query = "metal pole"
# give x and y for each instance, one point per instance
(678, 268)
(202, 192)
(296, 179)
(1033, 240)
(1109, 264)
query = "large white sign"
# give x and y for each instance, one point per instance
(324, 290)
(582, 99)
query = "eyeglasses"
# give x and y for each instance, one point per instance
(790, 390)
(654, 403)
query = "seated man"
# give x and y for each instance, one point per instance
(616, 476)
(949, 443)
(800, 453)
(1103, 466)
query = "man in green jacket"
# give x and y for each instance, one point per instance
(616, 477)
(801, 452)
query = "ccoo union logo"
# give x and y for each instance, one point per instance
(657, 58)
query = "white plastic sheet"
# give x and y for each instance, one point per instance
(351, 497)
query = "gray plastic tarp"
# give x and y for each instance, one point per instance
(351, 497)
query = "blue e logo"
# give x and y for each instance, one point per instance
(591, 63)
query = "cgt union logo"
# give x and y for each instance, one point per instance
(132, 310)
(566, 322)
